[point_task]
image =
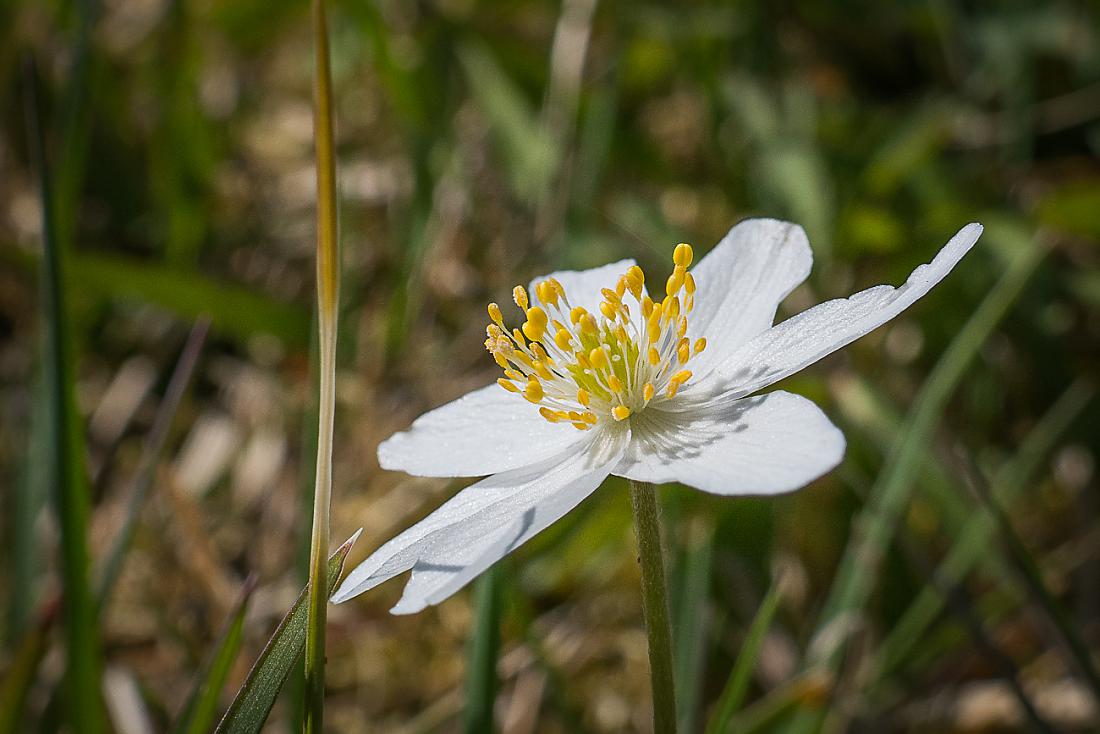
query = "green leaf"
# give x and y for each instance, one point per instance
(738, 683)
(971, 545)
(200, 710)
(528, 149)
(484, 649)
(873, 529)
(66, 450)
(233, 309)
(21, 672)
(253, 702)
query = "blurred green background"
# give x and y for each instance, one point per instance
(481, 144)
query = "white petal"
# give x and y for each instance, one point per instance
(816, 332)
(483, 523)
(583, 286)
(484, 432)
(760, 445)
(741, 283)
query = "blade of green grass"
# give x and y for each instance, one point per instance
(873, 528)
(21, 672)
(738, 683)
(328, 309)
(959, 603)
(484, 649)
(808, 691)
(690, 629)
(22, 556)
(151, 452)
(530, 153)
(200, 710)
(66, 452)
(232, 309)
(250, 707)
(1032, 577)
(972, 544)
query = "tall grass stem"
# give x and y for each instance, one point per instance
(328, 296)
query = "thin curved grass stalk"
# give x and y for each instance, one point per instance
(328, 296)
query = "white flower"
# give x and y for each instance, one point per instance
(603, 380)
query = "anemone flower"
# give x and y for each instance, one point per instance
(605, 378)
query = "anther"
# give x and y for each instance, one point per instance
(700, 344)
(533, 392)
(563, 339)
(615, 383)
(551, 415)
(583, 397)
(654, 356)
(507, 385)
(682, 255)
(620, 412)
(647, 391)
(519, 295)
(675, 281)
(598, 358)
(575, 314)
(496, 315)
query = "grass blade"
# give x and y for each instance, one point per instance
(874, 527)
(738, 684)
(253, 702)
(154, 446)
(481, 661)
(1032, 577)
(21, 671)
(66, 446)
(972, 544)
(328, 301)
(690, 628)
(200, 710)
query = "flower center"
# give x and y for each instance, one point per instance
(581, 367)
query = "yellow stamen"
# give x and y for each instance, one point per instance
(533, 392)
(615, 384)
(682, 255)
(700, 344)
(519, 295)
(563, 339)
(647, 391)
(620, 412)
(551, 415)
(683, 351)
(675, 281)
(507, 385)
(496, 315)
(598, 358)
(583, 397)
